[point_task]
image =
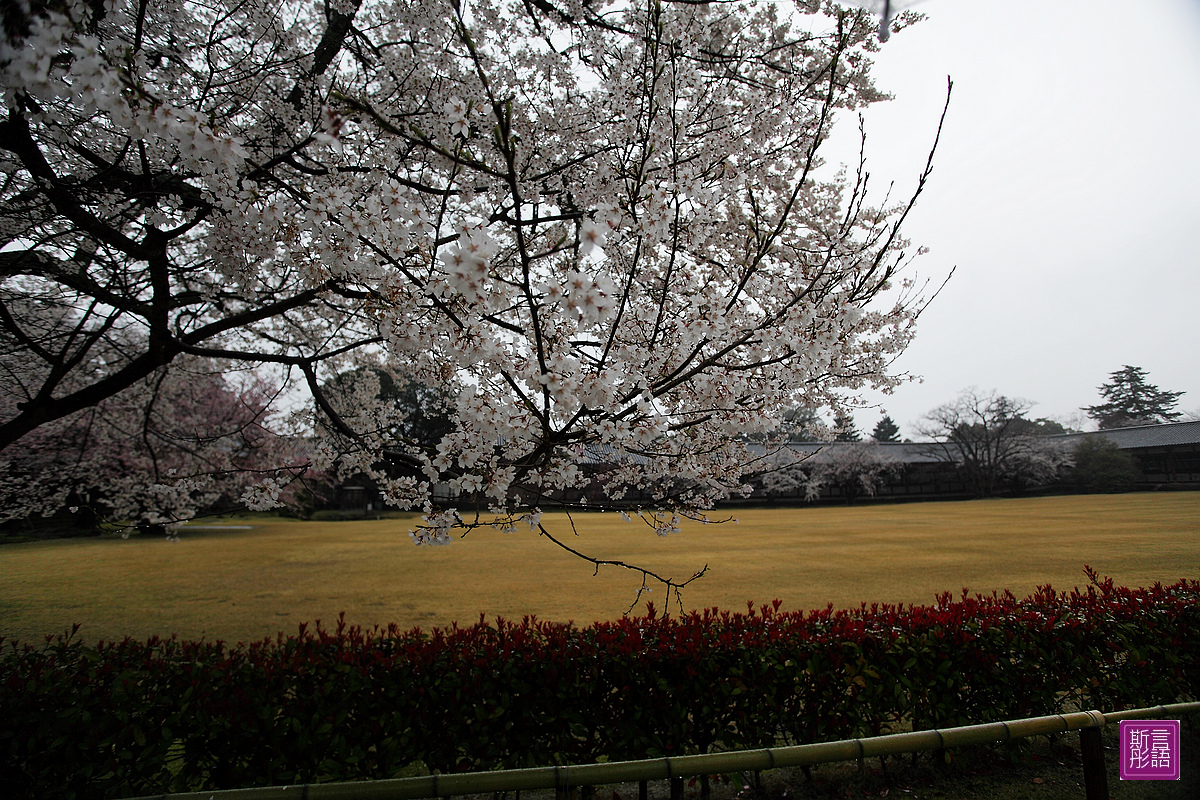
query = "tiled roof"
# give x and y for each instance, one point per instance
(1171, 434)
(1165, 435)
(904, 452)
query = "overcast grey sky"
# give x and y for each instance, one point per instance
(1066, 191)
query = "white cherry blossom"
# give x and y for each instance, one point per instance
(603, 222)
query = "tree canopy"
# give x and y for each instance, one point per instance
(995, 446)
(1100, 466)
(843, 424)
(886, 430)
(604, 221)
(1132, 400)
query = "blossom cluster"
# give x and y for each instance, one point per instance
(467, 262)
(605, 227)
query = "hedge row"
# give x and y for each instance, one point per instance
(131, 718)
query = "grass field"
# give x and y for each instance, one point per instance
(243, 584)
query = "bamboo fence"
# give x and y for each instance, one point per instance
(563, 779)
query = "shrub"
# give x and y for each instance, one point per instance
(131, 718)
(1100, 466)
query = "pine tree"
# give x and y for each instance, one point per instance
(886, 430)
(843, 423)
(1132, 401)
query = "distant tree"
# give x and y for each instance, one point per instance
(843, 424)
(411, 412)
(429, 409)
(1042, 426)
(857, 468)
(173, 445)
(886, 430)
(1100, 466)
(1131, 400)
(993, 444)
(804, 425)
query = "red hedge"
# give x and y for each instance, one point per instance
(130, 718)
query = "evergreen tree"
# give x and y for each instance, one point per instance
(886, 430)
(1131, 400)
(1100, 466)
(843, 423)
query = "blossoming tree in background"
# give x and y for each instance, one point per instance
(163, 450)
(602, 220)
(855, 469)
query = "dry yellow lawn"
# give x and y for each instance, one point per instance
(247, 584)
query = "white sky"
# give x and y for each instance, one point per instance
(1066, 190)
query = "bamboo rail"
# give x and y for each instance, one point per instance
(563, 778)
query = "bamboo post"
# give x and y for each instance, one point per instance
(1095, 777)
(562, 787)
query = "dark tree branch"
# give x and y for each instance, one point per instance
(672, 587)
(48, 409)
(330, 45)
(15, 137)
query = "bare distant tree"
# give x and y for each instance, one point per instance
(994, 445)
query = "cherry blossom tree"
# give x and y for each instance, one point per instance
(153, 455)
(856, 469)
(606, 221)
